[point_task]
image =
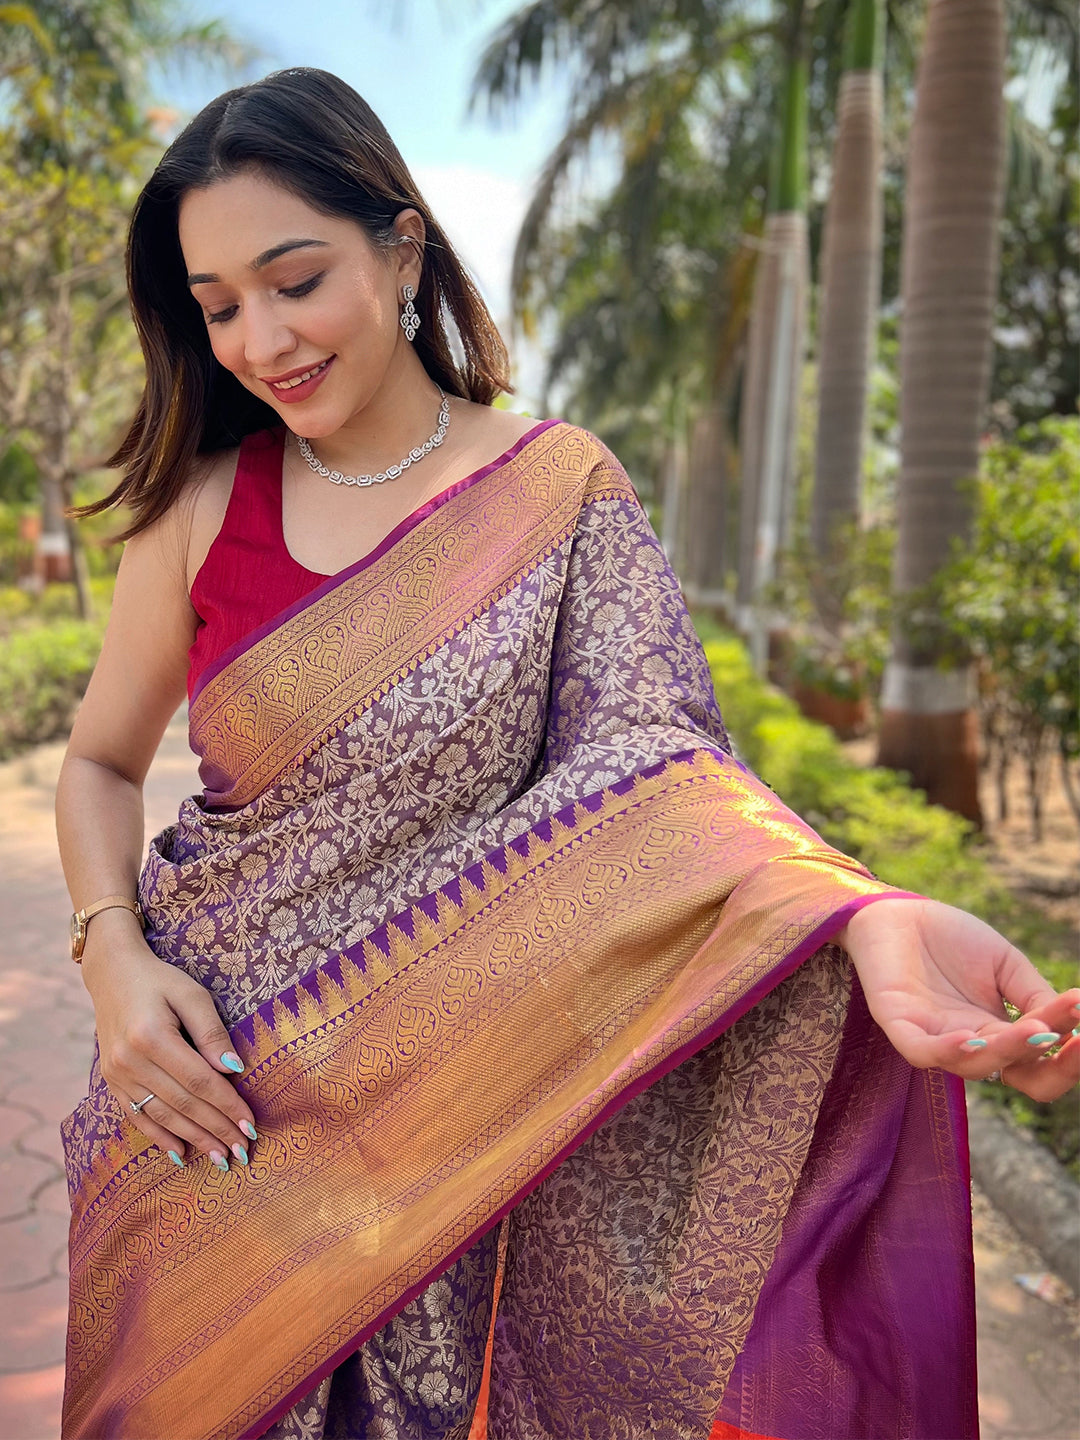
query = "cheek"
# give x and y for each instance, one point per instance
(228, 349)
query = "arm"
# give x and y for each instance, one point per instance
(626, 659)
(144, 1009)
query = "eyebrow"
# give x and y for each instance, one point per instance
(261, 261)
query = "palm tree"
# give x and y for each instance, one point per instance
(850, 281)
(773, 370)
(955, 184)
(643, 290)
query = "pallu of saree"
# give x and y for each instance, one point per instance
(502, 928)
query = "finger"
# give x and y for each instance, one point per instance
(1059, 1012)
(179, 1106)
(1049, 1078)
(170, 1120)
(214, 1094)
(1022, 985)
(202, 1022)
(969, 1053)
(173, 1146)
(160, 1044)
(1023, 1042)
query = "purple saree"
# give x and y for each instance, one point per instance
(502, 928)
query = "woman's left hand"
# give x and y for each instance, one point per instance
(936, 978)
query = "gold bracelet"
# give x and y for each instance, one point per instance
(79, 919)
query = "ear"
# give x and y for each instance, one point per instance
(409, 251)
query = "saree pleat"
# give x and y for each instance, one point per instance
(500, 926)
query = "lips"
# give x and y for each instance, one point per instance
(299, 384)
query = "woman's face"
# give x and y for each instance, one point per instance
(300, 306)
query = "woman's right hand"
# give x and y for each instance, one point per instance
(145, 1009)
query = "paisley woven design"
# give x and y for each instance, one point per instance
(634, 1273)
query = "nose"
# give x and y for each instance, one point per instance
(266, 339)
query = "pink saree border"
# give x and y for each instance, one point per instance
(329, 583)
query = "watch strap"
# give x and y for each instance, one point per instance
(80, 918)
(111, 902)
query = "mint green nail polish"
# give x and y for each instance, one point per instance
(1046, 1038)
(249, 1129)
(1076, 1032)
(240, 1153)
(175, 1158)
(219, 1159)
(975, 1044)
(233, 1062)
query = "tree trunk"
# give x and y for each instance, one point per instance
(851, 285)
(955, 184)
(768, 418)
(60, 437)
(768, 422)
(53, 542)
(673, 504)
(706, 509)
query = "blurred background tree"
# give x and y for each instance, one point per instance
(747, 147)
(77, 130)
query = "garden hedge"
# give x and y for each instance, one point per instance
(43, 673)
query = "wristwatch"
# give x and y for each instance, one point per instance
(79, 919)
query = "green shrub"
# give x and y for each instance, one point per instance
(15, 605)
(22, 610)
(43, 673)
(869, 814)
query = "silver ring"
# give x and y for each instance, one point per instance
(137, 1105)
(996, 1076)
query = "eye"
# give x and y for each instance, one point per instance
(217, 317)
(297, 292)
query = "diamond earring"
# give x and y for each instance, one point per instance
(410, 320)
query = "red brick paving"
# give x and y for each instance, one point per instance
(1028, 1353)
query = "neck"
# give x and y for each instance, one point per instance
(401, 414)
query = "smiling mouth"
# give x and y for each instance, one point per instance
(296, 380)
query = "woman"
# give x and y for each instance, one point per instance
(477, 915)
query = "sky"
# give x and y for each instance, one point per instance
(413, 61)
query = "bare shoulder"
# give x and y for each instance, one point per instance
(490, 429)
(513, 426)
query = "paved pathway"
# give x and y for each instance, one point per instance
(1028, 1349)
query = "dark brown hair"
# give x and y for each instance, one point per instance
(309, 132)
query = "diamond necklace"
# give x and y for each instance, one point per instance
(392, 471)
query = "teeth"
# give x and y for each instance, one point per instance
(299, 379)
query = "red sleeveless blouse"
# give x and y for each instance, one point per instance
(248, 575)
(249, 578)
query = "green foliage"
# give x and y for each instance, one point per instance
(43, 673)
(873, 816)
(21, 610)
(18, 476)
(838, 608)
(869, 814)
(1011, 599)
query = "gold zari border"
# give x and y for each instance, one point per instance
(406, 1098)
